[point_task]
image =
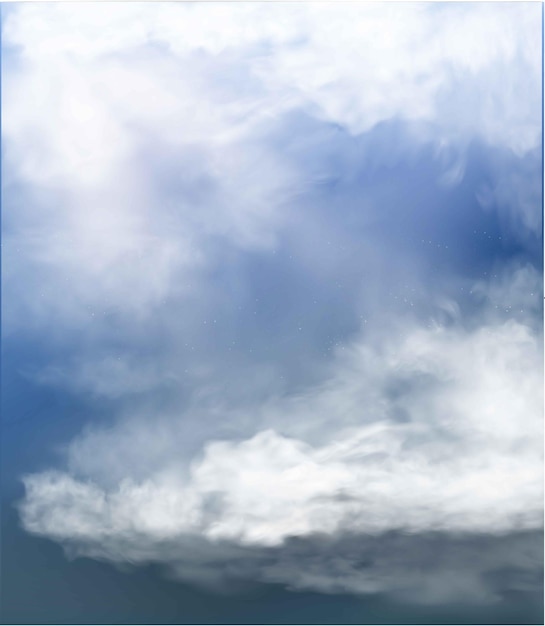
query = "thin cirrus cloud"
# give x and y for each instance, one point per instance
(190, 162)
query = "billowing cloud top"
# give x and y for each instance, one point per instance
(294, 247)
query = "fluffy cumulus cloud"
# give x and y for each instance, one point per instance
(436, 431)
(181, 168)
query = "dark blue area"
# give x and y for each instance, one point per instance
(383, 188)
(36, 420)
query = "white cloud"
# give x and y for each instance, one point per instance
(349, 63)
(431, 430)
(364, 76)
(130, 93)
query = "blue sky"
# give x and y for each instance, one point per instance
(272, 312)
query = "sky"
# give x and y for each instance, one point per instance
(272, 313)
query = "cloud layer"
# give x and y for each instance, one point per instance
(438, 430)
(294, 246)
